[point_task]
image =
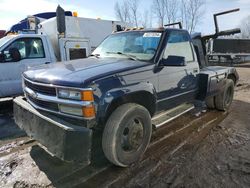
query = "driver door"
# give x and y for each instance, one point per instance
(178, 84)
(10, 79)
(10, 65)
(17, 57)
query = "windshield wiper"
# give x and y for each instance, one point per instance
(95, 55)
(127, 55)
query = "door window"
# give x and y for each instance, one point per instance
(178, 44)
(26, 48)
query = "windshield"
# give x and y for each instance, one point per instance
(138, 45)
(5, 39)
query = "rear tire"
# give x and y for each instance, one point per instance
(127, 134)
(224, 99)
(210, 102)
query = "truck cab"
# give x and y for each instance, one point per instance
(18, 53)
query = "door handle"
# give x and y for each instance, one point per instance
(195, 70)
(47, 63)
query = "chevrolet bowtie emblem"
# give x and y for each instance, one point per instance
(31, 92)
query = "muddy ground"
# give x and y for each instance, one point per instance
(210, 149)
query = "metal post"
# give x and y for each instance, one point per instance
(175, 23)
(219, 14)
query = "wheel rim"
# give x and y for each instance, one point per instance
(132, 135)
(228, 97)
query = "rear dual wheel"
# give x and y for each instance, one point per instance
(223, 100)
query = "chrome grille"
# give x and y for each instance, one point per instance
(40, 88)
(44, 104)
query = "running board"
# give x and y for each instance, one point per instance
(171, 114)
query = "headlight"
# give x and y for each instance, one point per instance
(69, 94)
(86, 95)
(87, 111)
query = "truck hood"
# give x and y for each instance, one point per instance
(81, 72)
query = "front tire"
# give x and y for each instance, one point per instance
(127, 134)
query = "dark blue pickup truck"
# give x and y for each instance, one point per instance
(135, 81)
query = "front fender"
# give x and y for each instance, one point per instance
(115, 93)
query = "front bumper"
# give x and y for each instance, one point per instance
(62, 139)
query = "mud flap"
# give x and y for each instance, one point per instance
(62, 139)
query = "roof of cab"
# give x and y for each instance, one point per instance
(160, 29)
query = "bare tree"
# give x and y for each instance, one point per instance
(128, 11)
(183, 12)
(145, 19)
(245, 27)
(195, 13)
(133, 7)
(191, 13)
(118, 12)
(122, 11)
(159, 10)
(171, 9)
(166, 11)
(150, 20)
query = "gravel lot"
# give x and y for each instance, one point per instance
(211, 149)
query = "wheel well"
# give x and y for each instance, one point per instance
(232, 77)
(143, 98)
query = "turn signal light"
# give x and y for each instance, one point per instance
(88, 111)
(87, 95)
(75, 14)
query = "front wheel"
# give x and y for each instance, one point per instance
(127, 134)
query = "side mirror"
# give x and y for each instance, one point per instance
(173, 61)
(15, 54)
(2, 57)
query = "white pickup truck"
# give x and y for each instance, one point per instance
(46, 45)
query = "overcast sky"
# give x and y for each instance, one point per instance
(12, 11)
